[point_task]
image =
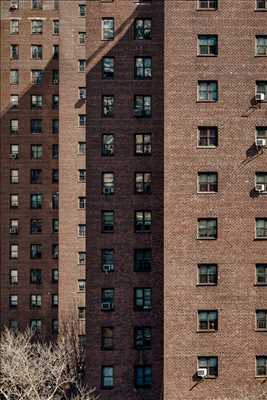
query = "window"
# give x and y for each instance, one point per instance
(261, 228)
(82, 230)
(55, 176)
(142, 29)
(55, 149)
(37, 26)
(36, 326)
(207, 136)
(36, 200)
(56, 27)
(14, 251)
(81, 285)
(82, 202)
(261, 366)
(107, 28)
(14, 100)
(82, 120)
(37, 77)
(142, 182)
(142, 106)
(55, 225)
(37, 4)
(14, 200)
(108, 183)
(14, 176)
(14, 126)
(107, 145)
(14, 77)
(108, 68)
(107, 338)
(207, 320)
(14, 51)
(261, 45)
(261, 88)
(14, 226)
(82, 175)
(55, 200)
(55, 251)
(82, 148)
(36, 176)
(208, 4)
(13, 277)
(211, 364)
(82, 258)
(13, 300)
(36, 52)
(207, 91)
(55, 101)
(107, 260)
(82, 93)
(107, 299)
(82, 65)
(82, 10)
(36, 151)
(142, 337)
(36, 251)
(36, 101)
(261, 5)
(55, 51)
(143, 68)
(142, 260)
(14, 26)
(207, 45)
(261, 181)
(36, 126)
(107, 221)
(143, 376)
(14, 326)
(36, 276)
(143, 221)
(261, 274)
(36, 300)
(55, 275)
(55, 76)
(108, 103)
(107, 377)
(207, 228)
(54, 300)
(55, 126)
(55, 326)
(36, 226)
(261, 319)
(143, 144)
(82, 37)
(143, 299)
(14, 150)
(207, 274)
(207, 182)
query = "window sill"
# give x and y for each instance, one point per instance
(260, 238)
(207, 9)
(261, 330)
(207, 330)
(206, 284)
(208, 55)
(260, 284)
(207, 101)
(207, 147)
(260, 10)
(199, 238)
(207, 192)
(260, 55)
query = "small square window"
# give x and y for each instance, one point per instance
(207, 228)
(37, 4)
(82, 202)
(37, 76)
(36, 101)
(142, 337)
(210, 364)
(143, 182)
(107, 377)
(207, 274)
(36, 176)
(82, 175)
(108, 68)
(37, 26)
(14, 251)
(14, 200)
(107, 338)
(108, 105)
(82, 148)
(208, 91)
(107, 260)
(36, 251)
(14, 51)
(82, 37)
(142, 260)
(207, 136)
(36, 200)
(207, 320)
(14, 126)
(261, 274)
(261, 228)
(14, 26)
(108, 183)
(82, 230)
(143, 299)
(36, 301)
(82, 65)
(82, 120)
(143, 221)
(36, 276)
(37, 52)
(207, 45)
(14, 176)
(107, 299)
(261, 45)
(36, 126)
(142, 29)
(261, 5)
(13, 300)
(142, 106)
(207, 182)
(261, 319)
(261, 88)
(207, 4)
(82, 258)
(143, 376)
(36, 151)
(13, 277)
(108, 28)
(143, 145)
(14, 101)
(36, 326)
(14, 77)
(82, 10)
(36, 226)
(261, 366)
(107, 221)
(143, 68)
(82, 93)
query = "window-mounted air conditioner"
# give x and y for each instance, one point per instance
(202, 372)
(260, 97)
(105, 306)
(108, 267)
(260, 187)
(260, 142)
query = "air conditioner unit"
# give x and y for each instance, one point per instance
(13, 229)
(108, 190)
(106, 306)
(108, 267)
(202, 372)
(14, 156)
(260, 142)
(260, 187)
(13, 7)
(260, 97)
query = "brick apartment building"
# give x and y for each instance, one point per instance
(176, 222)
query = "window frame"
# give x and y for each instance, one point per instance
(209, 46)
(207, 237)
(209, 92)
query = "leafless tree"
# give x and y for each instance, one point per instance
(34, 369)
